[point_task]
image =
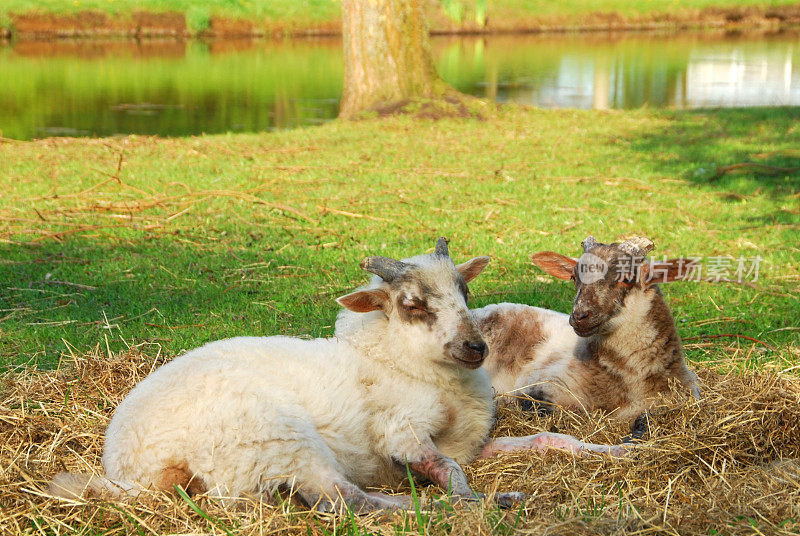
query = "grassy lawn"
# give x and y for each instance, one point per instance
(160, 245)
(182, 241)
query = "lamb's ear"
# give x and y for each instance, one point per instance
(654, 272)
(364, 301)
(554, 264)
(473, 267)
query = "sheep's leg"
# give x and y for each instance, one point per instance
(639, 428)
(344, 496)
(547, 440)
(332, 492)
(295, 447)
(694, 386)
(534, 400)
(329, 490)
(446, 473)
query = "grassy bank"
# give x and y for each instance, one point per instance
(225, 17)
(118, 253)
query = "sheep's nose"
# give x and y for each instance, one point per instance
(582, 315)
(478, 347)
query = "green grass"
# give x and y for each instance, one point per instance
(294, 11)
(216, 236)
(278, 10)
(623, 7)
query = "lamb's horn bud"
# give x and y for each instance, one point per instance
(638, 246)
(589, 243)
(384, 267)
(441, 247)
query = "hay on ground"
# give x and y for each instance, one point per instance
(729, 463)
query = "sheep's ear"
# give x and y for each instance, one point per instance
(364, 301)
(554, 264)
(654, 272)
(473, 267)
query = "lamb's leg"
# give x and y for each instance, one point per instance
(534, 400)
(446, 473)
(695, 386)
(345, 495)
(547, 440)
(318, 479)
(639, 428)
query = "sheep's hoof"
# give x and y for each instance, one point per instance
(620, 451)
(474, 497)
(639, 429)
(510, 499)
(503, 500)
(534, 401)
(632, 440)
(325, 507)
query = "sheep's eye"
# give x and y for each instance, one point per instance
(415, 308)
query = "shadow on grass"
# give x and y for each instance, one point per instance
(699, 144)
(83, 292)
(166, 292)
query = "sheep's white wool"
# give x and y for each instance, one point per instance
(550, 356)
(246, 414)
(401, 383)
(250, 414)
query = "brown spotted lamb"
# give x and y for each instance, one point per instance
(617, 350)
(401, 383)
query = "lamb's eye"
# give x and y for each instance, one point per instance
(414, 307)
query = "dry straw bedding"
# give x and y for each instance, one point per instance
(729, 463)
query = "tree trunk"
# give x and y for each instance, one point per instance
(387, 55)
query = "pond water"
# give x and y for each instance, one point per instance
(92, 88)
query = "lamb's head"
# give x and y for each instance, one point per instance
(424, 300)
(606, 276)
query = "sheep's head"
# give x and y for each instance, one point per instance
(605, 275)
(424, 299)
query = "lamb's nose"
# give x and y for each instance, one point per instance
(478, 347)
(582, 315)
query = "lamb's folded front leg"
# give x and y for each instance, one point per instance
(547, 440)
(445, 472)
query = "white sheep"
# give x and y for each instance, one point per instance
(617, 350)
(401, 383)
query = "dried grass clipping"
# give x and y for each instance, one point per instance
(729, 463)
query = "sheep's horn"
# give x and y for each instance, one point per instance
(441, 247)
(638, 246)
(589, 243)
(384, 267)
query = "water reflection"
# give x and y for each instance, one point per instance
(684, 71)
(173, 88)
(742, 77)
(167, 88)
